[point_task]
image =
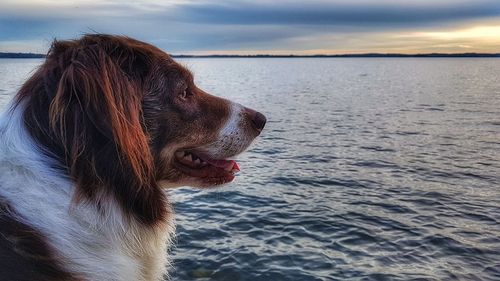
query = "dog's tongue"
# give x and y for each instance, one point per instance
(228, 165)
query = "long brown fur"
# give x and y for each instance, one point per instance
(84, 106)
(24, 253)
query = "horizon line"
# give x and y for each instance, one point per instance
(353, 55)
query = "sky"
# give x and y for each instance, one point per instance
(260, 27)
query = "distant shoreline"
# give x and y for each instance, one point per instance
(21, 56)
(369, 55)
(375, 55)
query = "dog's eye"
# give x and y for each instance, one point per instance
(184, 94)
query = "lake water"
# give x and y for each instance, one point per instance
(368, 169)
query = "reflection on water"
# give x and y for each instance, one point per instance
(376, 169)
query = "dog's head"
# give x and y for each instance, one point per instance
(123, 118)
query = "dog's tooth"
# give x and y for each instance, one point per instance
(197, 161)
(188, 157)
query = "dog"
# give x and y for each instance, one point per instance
(87, 147)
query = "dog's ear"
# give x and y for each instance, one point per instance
(96, 114)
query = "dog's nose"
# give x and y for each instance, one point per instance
(258, 121)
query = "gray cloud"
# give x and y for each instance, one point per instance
(310, 13)
(234, 25)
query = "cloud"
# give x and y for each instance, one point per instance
(184, 26)
(337, 13)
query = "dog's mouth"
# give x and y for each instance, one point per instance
(211, 171)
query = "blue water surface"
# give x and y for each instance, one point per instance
(368, 169)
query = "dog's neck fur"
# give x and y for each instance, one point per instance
(93, 241)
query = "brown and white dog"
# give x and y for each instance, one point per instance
(86, 147)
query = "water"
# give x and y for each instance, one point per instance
(368, 169)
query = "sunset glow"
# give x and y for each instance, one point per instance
(258, 27)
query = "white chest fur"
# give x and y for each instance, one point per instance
(95, 243)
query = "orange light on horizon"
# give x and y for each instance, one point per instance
(484, 33)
